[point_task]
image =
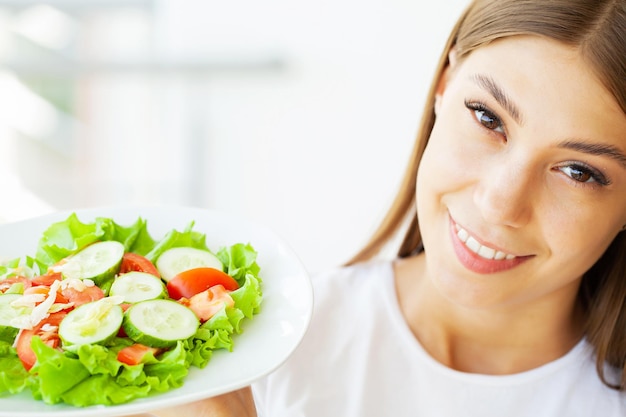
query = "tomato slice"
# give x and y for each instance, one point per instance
(208, 302)
(49, 337)
(193, 281)
(7, 283)
(45, 290)
(47, 279)
(135, 354)
(135, 262)
(86, 295)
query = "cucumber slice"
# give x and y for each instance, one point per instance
(98, 262)
(138, 286)
(9, 312)
(176, 260)
(160, 323)
(91, 323)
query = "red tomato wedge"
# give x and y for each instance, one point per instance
(135, 354)
(208, 302)
(47, 279)
(193, 281)
(49, 337)
(135, 262)
(86, 295)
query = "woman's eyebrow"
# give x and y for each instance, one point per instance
(489, 84)
(596, 149)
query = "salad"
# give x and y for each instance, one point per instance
(104, 313)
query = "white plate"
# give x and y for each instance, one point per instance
(266, 341)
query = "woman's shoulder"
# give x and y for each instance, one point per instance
(346, 290)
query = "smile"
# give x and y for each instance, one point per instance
(480, 258)
(481, 250)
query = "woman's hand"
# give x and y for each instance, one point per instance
(233, 404)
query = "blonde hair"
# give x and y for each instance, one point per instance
(598, 29)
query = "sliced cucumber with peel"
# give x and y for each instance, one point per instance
(137, 286)
(98, 262)
(92, 323)
(160, 323)
(176, 260)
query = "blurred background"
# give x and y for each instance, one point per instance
(298, 115)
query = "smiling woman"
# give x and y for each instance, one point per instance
(508, 290)
(526, 152)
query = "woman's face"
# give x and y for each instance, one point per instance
(522, 186)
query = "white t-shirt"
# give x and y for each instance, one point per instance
(359, 358)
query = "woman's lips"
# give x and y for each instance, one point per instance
(475, 246)
(480, 258)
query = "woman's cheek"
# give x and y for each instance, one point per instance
(449, 161)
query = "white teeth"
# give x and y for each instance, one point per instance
(481, 250)
(472, 244)
(499, 256)
(486, 252)
(462, 233)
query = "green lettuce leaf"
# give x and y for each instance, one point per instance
(56, 372)
(174, 239)
(8, 268)
(132, 382)
(94, 376)
(248, 297)
(66, 237)
(7, 335)
(135, 237)
(103, 390)
(239, 260)
(98, 359)
(63, 238)
(13, 378)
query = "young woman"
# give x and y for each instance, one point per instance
(508, 294)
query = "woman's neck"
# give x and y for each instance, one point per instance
(492, 340)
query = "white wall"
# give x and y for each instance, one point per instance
(314, 148)
(320, 146)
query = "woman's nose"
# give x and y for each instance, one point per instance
(504, 194)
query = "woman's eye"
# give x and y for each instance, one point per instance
(583, 174)
(578, 174)
(485, 117)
